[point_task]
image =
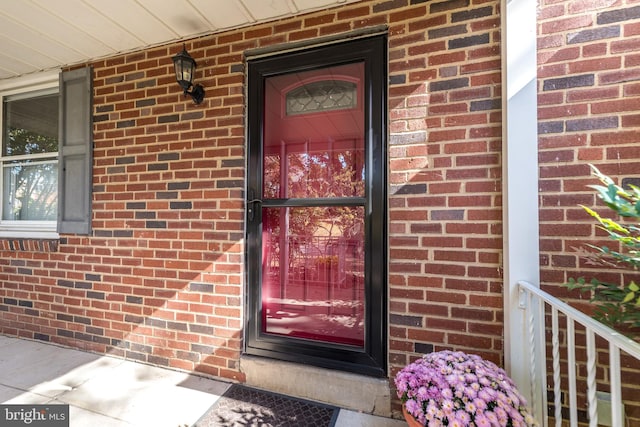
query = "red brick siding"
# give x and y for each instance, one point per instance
(160, 280)
(589, 98)
(445, 207)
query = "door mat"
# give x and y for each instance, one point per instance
(250, 407)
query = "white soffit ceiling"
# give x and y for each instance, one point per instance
(37, 35)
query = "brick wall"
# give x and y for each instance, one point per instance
(160, 279)
(589, 112)
(445, 207)
(589, 96)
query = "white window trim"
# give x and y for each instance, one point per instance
(26, 84)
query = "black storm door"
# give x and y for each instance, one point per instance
(316, 202)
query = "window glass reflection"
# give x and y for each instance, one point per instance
(313, 273)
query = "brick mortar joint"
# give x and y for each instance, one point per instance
(29, 244)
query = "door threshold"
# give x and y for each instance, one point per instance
(346, 390)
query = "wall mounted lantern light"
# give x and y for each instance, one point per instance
(185, 67)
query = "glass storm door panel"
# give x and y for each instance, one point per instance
(312, 277)
(309, 201)
(313, 283)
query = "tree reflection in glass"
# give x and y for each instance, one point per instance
(29, 154)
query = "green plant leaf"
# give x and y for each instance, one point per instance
(615, 304)
(630, 296)
(611, 225)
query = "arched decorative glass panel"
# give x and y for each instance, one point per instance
(326, 95)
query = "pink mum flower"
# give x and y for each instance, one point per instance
(460, 389)
(482, 421)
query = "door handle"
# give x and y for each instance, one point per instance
(251, 207)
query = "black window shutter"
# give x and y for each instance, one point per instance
(75, 152)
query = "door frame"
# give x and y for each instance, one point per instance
(372, 358)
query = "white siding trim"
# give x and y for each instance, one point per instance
(520, 177)
(30, 82)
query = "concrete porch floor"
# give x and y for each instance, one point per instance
(110, 392)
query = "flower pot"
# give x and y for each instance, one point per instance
(450, 377)
(412, 422)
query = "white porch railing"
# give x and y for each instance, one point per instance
(540, 309)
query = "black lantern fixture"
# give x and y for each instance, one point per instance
(185, 67)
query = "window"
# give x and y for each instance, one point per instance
(29, 161)
(324, 95)
(46, 155)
